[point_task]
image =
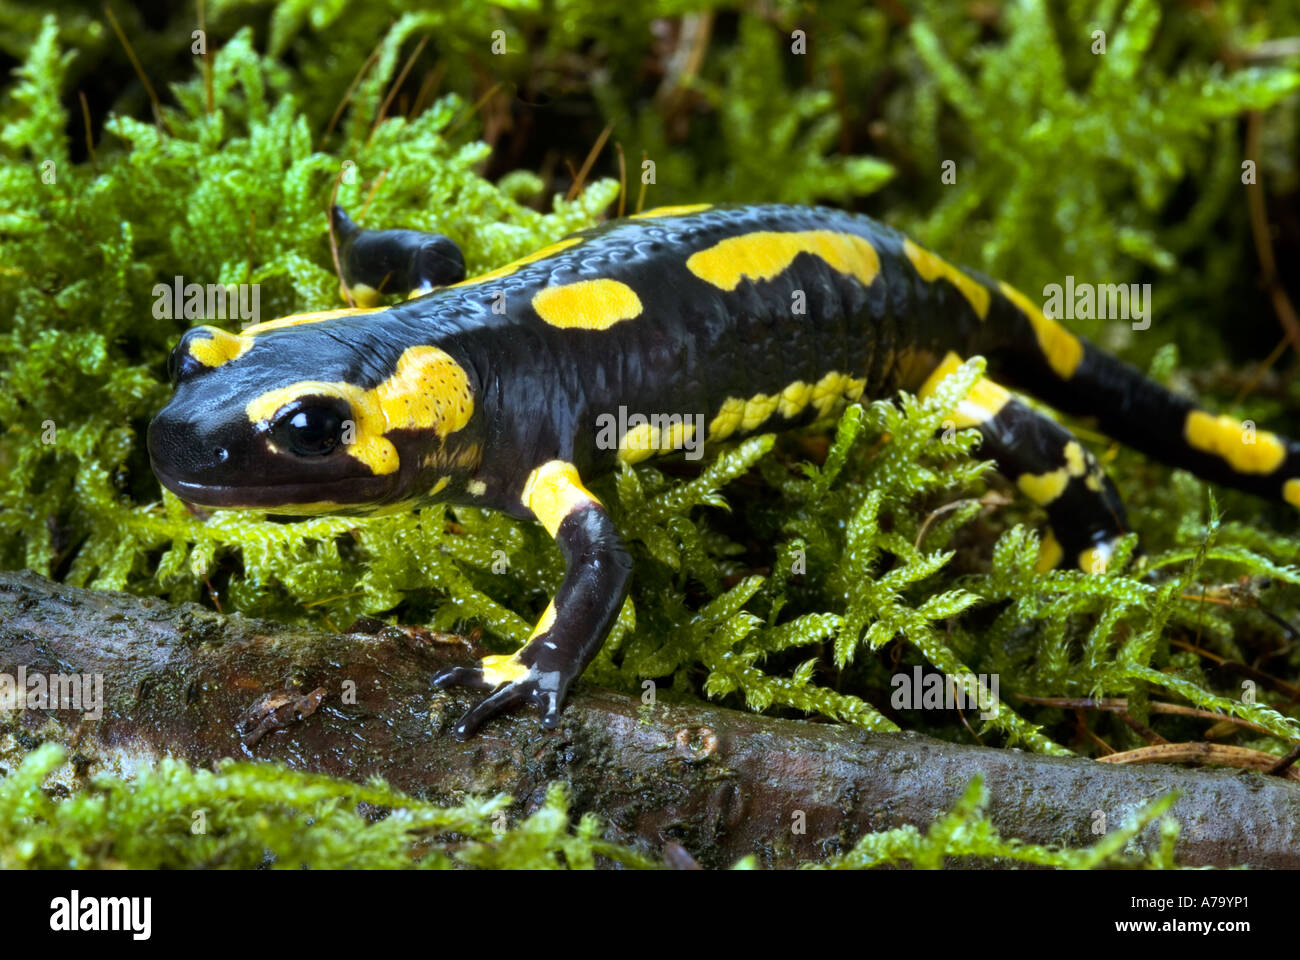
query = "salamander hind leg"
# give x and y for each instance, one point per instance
(407, 262)
(575, 624)
(1050, 466)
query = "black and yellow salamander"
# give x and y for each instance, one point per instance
(740, 319)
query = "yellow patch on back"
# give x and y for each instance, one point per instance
(553, 491)
(587, 304)
(1291, 492)
(221, 347)
(765, 254)
(428, 390)
(1230, 439)
(932, 267)
(678, 211)
(1043, 488)
(984, 402)
(511, 267)
(1063, 350)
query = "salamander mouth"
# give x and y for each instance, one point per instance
(346, 494)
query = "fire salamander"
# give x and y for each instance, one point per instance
(741, 319)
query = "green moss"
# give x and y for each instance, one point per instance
(966, 832)
(245, 816)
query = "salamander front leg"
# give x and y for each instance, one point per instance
(575, 624)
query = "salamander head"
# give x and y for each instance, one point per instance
(323, 415)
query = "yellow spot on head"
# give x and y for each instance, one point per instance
(1063, 350)
(1230, 440)
(440, 486)
(1291, 492)
(763, 255)
(298, 319)
(428, 390)
(587, 304)
(220, 347)
(985, 400)
(1043, 488)
(931, 267)
(677, 211)
(515, 265)
(553, 491)
(1049, 553)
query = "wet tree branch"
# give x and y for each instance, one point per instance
(185, 681)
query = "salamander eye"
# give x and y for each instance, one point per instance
(310, 428)
(173, 366)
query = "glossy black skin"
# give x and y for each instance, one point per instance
(539, 389)
(205, 450)
(395, 261)
(544, 388)
(598, 572)
(1140, 413)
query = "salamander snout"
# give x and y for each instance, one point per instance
(186, 452)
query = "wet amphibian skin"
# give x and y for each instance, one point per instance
(683, 326)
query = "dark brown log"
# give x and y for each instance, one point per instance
(185, 681)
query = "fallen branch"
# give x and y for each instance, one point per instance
(1202, 752)
(184, 681)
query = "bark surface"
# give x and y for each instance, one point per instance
(190, 683)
